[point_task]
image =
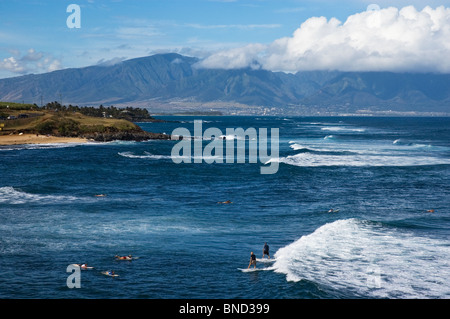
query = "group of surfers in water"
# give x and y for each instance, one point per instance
(85, 266)
(253, 256)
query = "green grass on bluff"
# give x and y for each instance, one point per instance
(28, 118)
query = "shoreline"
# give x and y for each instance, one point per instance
(24, 139)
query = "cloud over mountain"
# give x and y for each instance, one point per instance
(390, 39)
(32, 61)
(169, 82)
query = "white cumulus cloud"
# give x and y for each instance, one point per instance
(30, 62)
(389, 39)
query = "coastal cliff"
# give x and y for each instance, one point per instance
(72, 123)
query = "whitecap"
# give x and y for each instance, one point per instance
(404, 145)
(11, 195)
(342, 129)
(231, 137)
(146, 155)
(360, 160)
(41, 146)
(369, 259)
(297, 147)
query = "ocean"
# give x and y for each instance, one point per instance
(358, 208)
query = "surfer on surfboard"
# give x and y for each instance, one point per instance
(266, 250)
(252, 260)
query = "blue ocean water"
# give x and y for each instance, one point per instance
(387, 180)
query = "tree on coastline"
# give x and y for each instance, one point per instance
(128, 113)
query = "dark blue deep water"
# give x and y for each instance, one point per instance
(381, 175)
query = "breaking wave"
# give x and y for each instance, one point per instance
(314, 160)
(11, 195)
(312, 153)
(369, 258)
(342, 129)
(146, 155)
(41, 146)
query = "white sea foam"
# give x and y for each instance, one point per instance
(360, 160)
(193, 121)
(233, 137)
(146, 155)
(11, 195)
(397, 147)
(318, 152)
(370, 259)
(405, 145)
(342, 129)
(41, 146)
(297, 147)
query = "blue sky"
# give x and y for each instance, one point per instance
(35, 38)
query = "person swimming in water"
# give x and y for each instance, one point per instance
(252, 260)
(124, 257)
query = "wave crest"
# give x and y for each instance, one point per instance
(359, 160)
(368, 258)
(10, 195)
(145, 156)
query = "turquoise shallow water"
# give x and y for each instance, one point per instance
(381, 174)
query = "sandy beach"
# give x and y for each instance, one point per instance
(37, 139)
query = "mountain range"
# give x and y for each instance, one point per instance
(170, 83)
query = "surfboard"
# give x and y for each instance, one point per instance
(83, 268)
(250, 269)
(106, 273)
(265, 260)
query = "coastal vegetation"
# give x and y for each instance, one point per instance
(100, 124)
(129, 113)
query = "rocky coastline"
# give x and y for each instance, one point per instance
(136, 135)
